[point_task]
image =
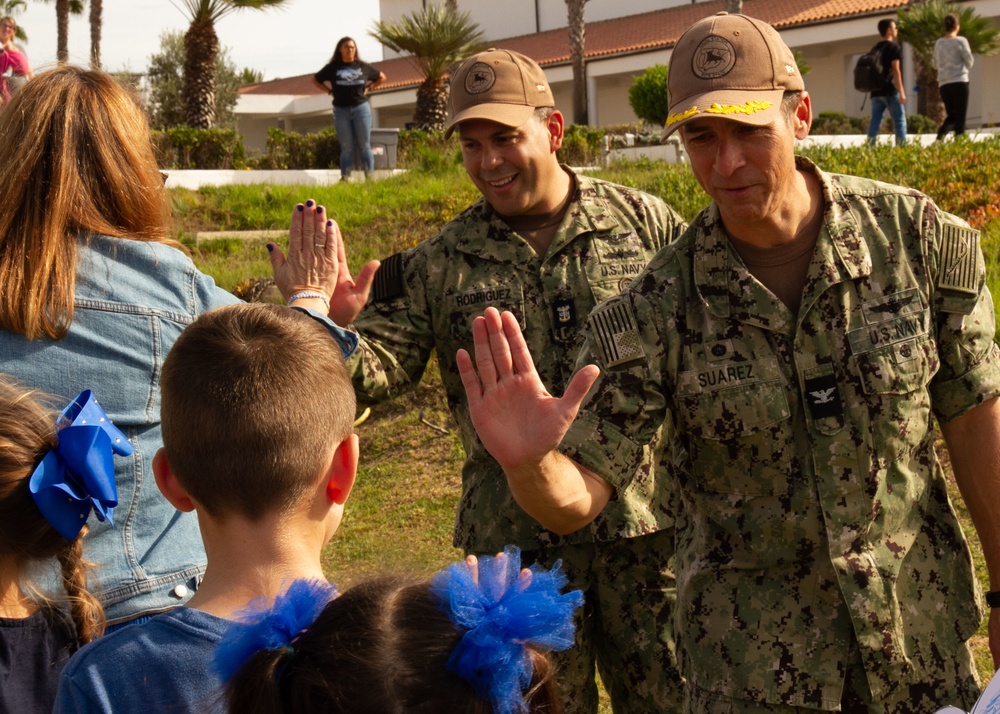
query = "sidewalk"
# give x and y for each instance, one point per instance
(195, 179)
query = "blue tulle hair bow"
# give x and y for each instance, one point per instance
(262, 626)
(79, 474)
(501, 615)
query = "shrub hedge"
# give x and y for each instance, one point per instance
(186, 148)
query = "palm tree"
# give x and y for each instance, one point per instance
(201, 46)
(96, 23)
(921, 24)
(436, 38)
(63, 9)
(577, 32)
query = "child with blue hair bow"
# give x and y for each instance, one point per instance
(470, 641)
(54, 470)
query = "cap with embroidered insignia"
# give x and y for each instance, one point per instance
(498, 85)
(730, 66)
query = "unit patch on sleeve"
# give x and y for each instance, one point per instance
(388, 283)
(959, 259)
(616, 333)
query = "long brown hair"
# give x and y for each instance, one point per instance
(382, 647)
(27, 432)
(338, 58)
(75, 158)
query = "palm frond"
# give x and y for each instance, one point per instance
(213, 10)
(435, 36)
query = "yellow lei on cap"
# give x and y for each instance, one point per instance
(751, 107)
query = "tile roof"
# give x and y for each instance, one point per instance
(624, 35)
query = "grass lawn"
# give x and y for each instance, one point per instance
(400, 515)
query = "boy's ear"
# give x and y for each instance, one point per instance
(343, 470)
(168, 484)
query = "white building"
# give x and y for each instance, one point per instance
(622, 40)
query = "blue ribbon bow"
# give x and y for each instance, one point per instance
(79, 474)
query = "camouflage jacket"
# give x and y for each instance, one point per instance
(815, 507)
(425, 299)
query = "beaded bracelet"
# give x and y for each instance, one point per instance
(303, 294)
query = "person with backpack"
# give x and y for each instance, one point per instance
(892, 95)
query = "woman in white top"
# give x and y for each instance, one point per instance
(952, 60)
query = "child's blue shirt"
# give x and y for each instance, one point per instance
(163, 665)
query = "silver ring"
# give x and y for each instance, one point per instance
(320, 245)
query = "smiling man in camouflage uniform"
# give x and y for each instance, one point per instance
(803, 335)
(546, 244)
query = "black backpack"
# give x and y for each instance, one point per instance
(869, 74)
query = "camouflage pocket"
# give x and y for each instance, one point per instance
(895, 379)
(740, 438)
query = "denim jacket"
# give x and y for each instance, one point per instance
(132, 300)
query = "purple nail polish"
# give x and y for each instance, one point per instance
(319, 210)
(309, 203)
(299, 208)
(270, 248)
(329, 224)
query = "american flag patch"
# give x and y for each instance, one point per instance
(614, 328)
(388, 283)
(959, 259)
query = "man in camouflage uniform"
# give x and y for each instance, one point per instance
(802, 335)
(546, 244)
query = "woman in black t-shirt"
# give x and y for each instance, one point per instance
(348, 79)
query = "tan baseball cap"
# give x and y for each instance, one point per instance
(499, 85)
(730, 66)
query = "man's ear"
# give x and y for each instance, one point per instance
(802, 119)
(343, 470)
(555, 127)
(168, 484)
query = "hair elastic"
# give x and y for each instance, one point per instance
(502, 614)
(262, 626)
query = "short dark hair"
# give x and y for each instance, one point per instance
(381, 647)
(950, 22)
(254, 399)
(884, 25)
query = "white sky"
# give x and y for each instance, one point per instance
(296, 39)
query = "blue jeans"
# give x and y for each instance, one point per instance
(896, 111)
(354, 129)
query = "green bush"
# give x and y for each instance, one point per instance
(838, 123)
(291, 150)
(185, 148)
(648, 95)
(426, 151)
(581, 145)
(920, 124)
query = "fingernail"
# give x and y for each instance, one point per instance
(329, 224)
(270, 248)
(299, 208)
(310, 203)
(319, 210)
